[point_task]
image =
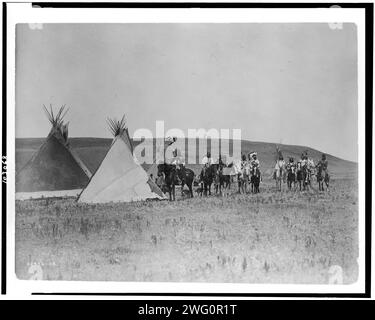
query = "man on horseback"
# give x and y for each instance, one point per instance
(244, 162)
(254, 171)
(177, 159)
(207, 160)
(207, 174)
(323, 162)
(254, 162)
(291, 169)
(279, 174)
(291, 165)
(222, 161)
(280, 163)
(308, 166)
(243, 174)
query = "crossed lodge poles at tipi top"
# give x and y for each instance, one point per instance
(56, 171)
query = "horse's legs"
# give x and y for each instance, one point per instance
(182, 188)
(170, 192)
(326, 180)
(190, 186)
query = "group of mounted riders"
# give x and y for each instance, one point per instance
(301, 172)
(220, 174)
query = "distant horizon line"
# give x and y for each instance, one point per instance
(243, 139)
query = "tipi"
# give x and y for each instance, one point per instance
(120, 177)
(54, 170)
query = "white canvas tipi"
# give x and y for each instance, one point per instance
(120, 178)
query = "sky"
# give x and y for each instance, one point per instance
(282, 83)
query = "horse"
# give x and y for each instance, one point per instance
(255, 178)
(304, 174)
(301, 176)
(221, 180)
(279, 174)
(186, 176)
(291, 176)
(243, 178)
(169, 171)
(207, 177)
(322, 177)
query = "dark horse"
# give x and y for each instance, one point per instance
(207, 177)
(291, 176)
(255, 179)
(170, 174)
(301, 176)
(322, 177)
(186, 176)
(221, 180)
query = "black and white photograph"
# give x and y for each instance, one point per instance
(192, 152)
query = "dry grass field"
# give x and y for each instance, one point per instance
(272, 237)
(287, 237)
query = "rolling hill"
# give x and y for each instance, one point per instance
(93, 150)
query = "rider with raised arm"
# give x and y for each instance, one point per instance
(222, 161)
(303, 159)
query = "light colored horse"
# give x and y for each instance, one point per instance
(243, 175)
(279, 173)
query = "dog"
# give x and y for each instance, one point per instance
(199, 190)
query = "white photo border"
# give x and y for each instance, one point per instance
(24, 13)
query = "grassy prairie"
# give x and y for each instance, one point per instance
(287, 237)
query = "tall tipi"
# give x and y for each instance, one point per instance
(54, 170)
(120, 177)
